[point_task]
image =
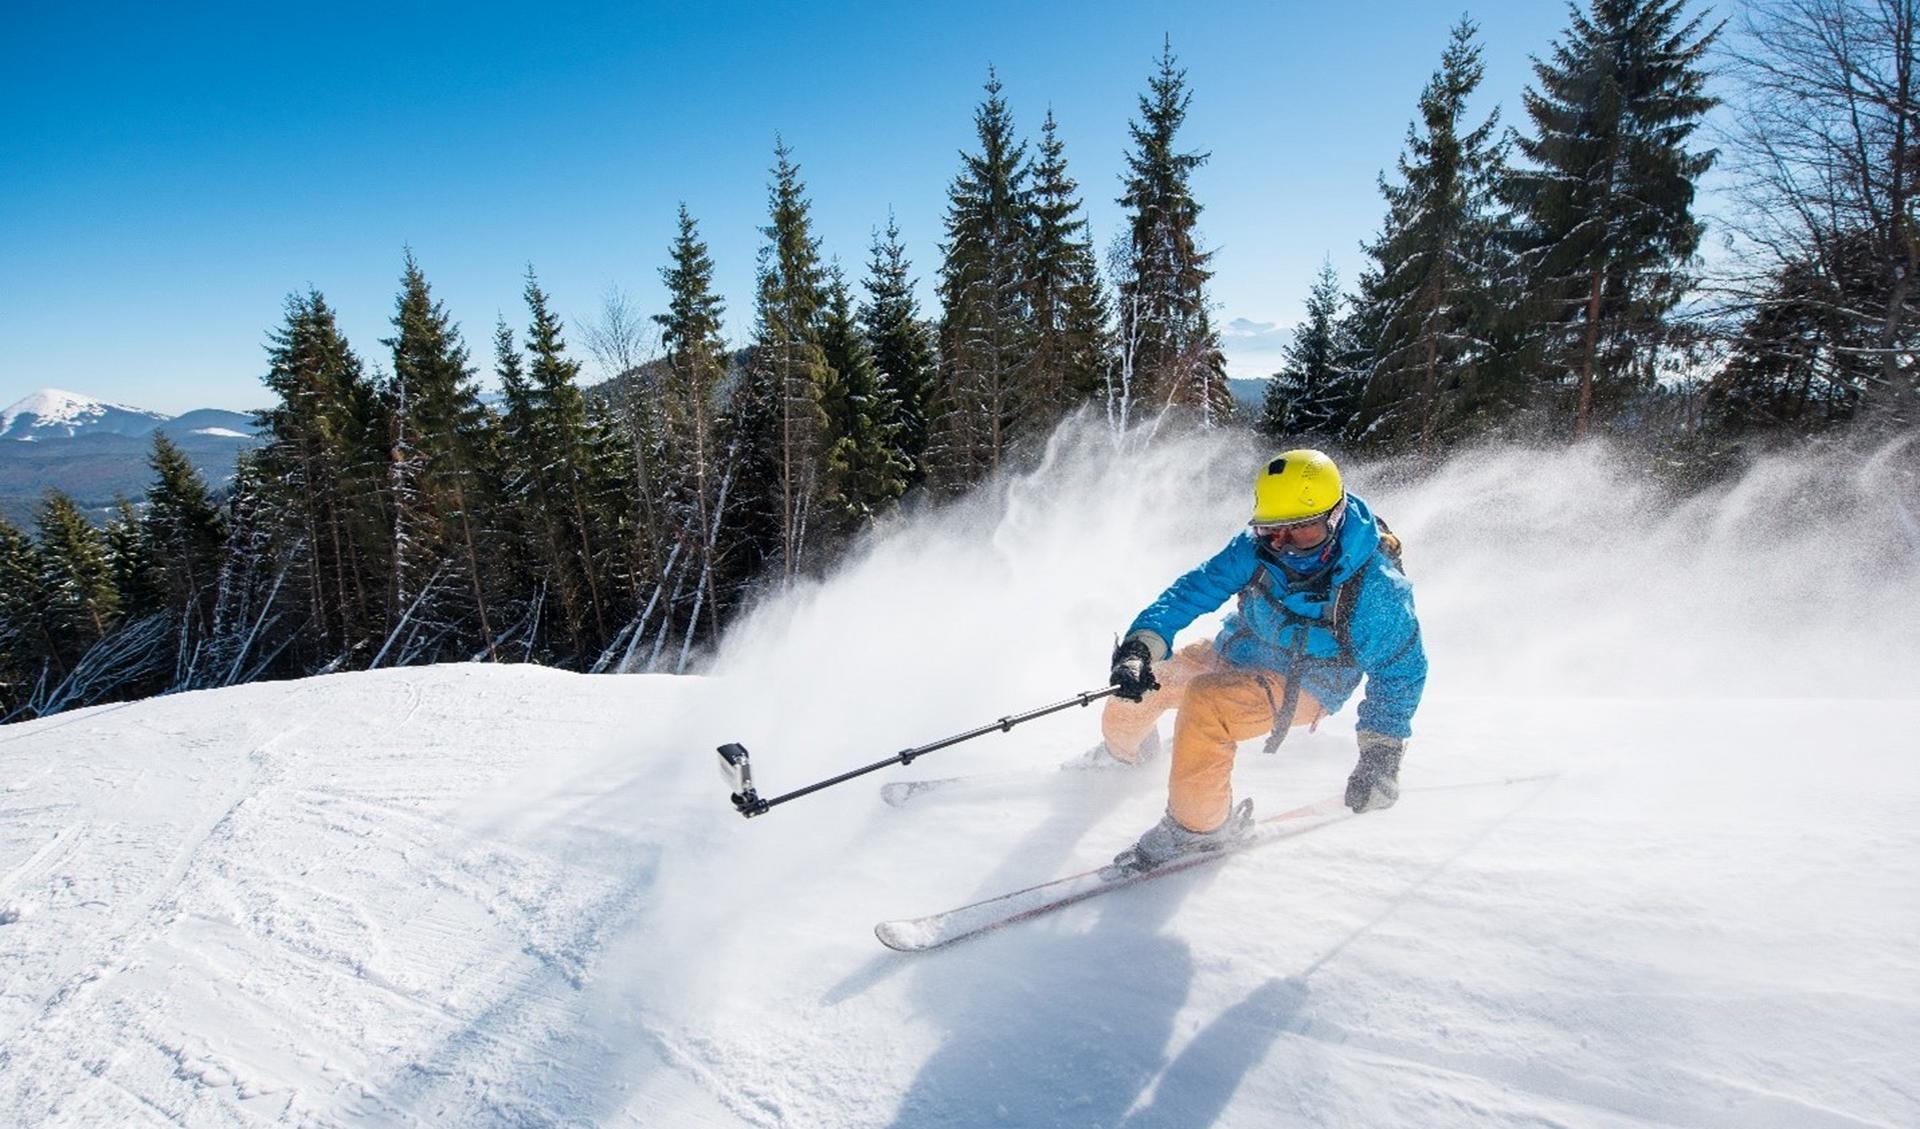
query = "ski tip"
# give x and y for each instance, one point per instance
(903, 936)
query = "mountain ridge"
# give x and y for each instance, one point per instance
(96, 451)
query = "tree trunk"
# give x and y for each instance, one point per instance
(1584, 410)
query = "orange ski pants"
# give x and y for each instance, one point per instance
(1220, 706)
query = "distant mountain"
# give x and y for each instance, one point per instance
(1248, 395)
(96, 451)
(210, 421)
(53, 414)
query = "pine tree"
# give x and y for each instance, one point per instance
(788, 371)
(902, 347)
(1070, 359)
(440, 560)
(76, 578)
(1169, 352)
(986, 329)
(1431, 291)
(26, 644)
(135, 564)
(698, 473)
(523, 529)
(1606, 202)
(323, 457)
(865, 473)
(185, 527)
(553, 440)
(249, 598)
(1311, 397)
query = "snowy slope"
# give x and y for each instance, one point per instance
(506, 895)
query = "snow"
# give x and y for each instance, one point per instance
(221, 432)
(480, 894)
(52, 405)
(54, 410)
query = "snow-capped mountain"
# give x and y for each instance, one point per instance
(93, 450)
(53, 413)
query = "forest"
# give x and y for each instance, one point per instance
(1543, 280)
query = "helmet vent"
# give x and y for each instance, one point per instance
(1277, 466)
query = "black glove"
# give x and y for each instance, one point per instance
(1375, 783)
(1132, 670)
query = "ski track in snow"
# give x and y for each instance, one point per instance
(280, 917)
(348, 902)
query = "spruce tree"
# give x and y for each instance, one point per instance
(697, 475)
(864, 471)
(437, 426)
(1310, 399)
(902, 346)
(1605, 200)
(1169, 353)
(187, 532)
(555, 442)
(788, 370)
(1070, 359)
(1430, 292)
(26, 648)
(134, 561)
(523, 528)
(323, 457)
(76, 582)
(250, 600)
(986, 329)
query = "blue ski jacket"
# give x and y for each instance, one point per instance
(1352, 619)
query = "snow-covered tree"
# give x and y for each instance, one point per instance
(1605, 196)
(865, 472)
(1430, 293)
(902, 344)
(986, 326)
(1069, 306)
(441, 573)
(1171, 350)
(1311, 399)
(787, 372)
(323, 457)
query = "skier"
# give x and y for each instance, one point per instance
(1322, 604)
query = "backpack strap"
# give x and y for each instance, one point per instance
(1342, 600)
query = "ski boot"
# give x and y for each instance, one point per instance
(1167, 840)
(1101, 759)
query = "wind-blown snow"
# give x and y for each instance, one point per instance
(485, 895)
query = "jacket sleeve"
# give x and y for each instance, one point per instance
(1195, 594)
(1385, 635)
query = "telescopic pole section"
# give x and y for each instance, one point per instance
(751, 804)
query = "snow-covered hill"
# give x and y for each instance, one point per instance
(507, 895)
(51, 413)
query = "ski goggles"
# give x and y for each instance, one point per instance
(1305, 533)
(1309, 533)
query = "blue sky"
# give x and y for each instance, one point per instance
(172, 175)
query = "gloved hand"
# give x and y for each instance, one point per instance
(1375, 783)
(1133, 670)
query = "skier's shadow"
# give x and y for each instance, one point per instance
(1070, 1029)
(1081, 802)
(1052, 1022)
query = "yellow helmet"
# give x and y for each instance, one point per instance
(1294, 485)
